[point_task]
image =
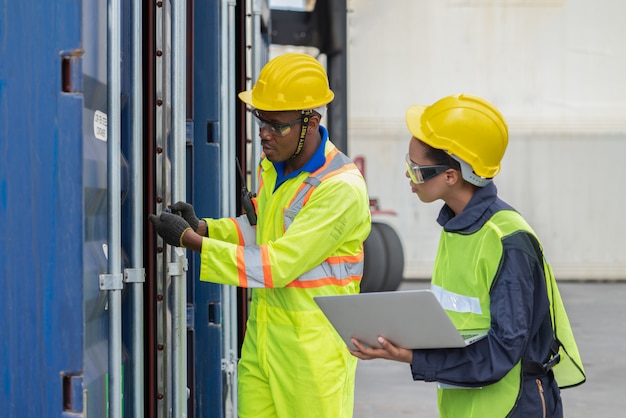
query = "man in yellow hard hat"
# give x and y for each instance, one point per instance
(313, 215)
(489, 273)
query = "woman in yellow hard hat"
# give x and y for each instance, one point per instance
(489, 274)
(313, 215)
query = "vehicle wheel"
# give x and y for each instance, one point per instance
(394, 257)
(375, 261)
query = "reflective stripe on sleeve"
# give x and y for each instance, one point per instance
(247, 233)
(252, 265)
(241, 267)
(255, 264)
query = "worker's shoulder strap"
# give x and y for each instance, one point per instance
(565, 359)
(336, 162)
(566, 363)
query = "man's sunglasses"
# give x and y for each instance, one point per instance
(421, 173)
(279, 129)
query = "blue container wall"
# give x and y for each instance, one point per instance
(205, 194)
(41, 211)
(53, 208)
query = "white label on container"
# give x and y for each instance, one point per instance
(100, 125)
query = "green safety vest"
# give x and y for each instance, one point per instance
(473, 260)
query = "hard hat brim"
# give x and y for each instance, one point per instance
(413, 121)
(246, 97)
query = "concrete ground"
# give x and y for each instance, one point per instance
(597, 312)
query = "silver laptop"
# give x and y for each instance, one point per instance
(409, 319)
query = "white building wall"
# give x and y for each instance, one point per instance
(556, 70)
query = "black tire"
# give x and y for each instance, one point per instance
(374, 263)
(394, 256)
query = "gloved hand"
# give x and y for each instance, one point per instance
(186, 211)
(170, 227)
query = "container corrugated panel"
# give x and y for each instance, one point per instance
(205, 191)
(41, 208)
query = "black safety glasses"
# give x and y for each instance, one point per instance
(279, 129)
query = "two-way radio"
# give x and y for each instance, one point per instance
(246, 197)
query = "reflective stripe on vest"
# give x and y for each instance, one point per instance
(456, 302)
(336, 161)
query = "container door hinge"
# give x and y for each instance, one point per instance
(134, 275)
(111, 281)
(180, 265)
(229, 366)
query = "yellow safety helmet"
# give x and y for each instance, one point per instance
(465, 126)
(290, 81)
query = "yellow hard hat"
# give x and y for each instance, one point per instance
(465, 126)
(290, 81)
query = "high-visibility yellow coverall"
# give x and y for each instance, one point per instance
(308, 241)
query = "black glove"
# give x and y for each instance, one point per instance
(186, 211)
(170, 227)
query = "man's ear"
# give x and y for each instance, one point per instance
(314, 123)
